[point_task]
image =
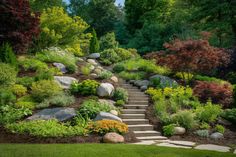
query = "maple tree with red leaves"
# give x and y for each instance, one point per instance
(191, 56)
(218, 93)
(18, 24)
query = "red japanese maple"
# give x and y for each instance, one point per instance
(191, 56)
(18, 25)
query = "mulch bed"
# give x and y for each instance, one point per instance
(7, 137)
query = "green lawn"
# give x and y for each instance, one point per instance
(100, 150)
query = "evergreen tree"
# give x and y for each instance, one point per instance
(7, 55)
(94, 44)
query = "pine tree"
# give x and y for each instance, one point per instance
(94, 44)
(7, 55)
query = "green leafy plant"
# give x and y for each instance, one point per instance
(62, 100)
(49, 128)
(19, 90)
(230, 114)
(44, 89)
(169, 130)
(108, 41)
(6, 97)
(85, 70)
(184, 118)
(105, 74)
(220, 128)
(86, 87)
(7, 75)
(120, 103)
(208, 113)
(7, 55)
(120, 94)
(30, 63)
(90, 108)
(94, 43)
(204, 126)
(9, 114)
(118, 68)
(25, 81)
(202, 133)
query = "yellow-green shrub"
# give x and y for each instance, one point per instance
(19, 90)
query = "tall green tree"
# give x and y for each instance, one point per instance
(218, 17)
(103, 15)
(79, 8)
(94, 43)
(40, 5)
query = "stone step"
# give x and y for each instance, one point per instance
(134, 90)
(129, 106)
(146, 133)
(132, 116)
(135, 121)
(133, 111)
(137, 94)
(138, 102)
(141, 127)
(139, 98)
(152, 138)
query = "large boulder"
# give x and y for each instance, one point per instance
(141, 83)
(59, 113)
(113, 138)
(94, 56)
(105, 90)
(164, 80)
(179, 131)
(61, 67)
(65, 81)
(105, 115)
(92, 61)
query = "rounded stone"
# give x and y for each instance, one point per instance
(179, 130)
(94, 55)
(92, 61)
(114, 79)
(105, 90)
(216, 136)
(113, 138)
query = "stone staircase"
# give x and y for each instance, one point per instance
(133, 115)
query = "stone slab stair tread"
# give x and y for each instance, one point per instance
(133, 115)
(152, 138)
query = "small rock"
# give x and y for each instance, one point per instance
(213, 147)
(65, 81)
(113, 138)
(114, 112)
(99, 67)
(216, 136)
(80, 59)
(61, 67)
(179, 130)
(92, 61)
(224, 122)
(59, 113)
(144, 88)
(114, 79)
(131, 81)
(141, 83)
(94, 56)
(105, 115)
(105, 90)
(94, 75)
(97, 71)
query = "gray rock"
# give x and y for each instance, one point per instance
(60, 113)
(179, 131)
(94, 75)
(99, 67)
(164, 80)
(172, 145)
(144, 88)
(80, 59)
(65, 81)
(216, 136)
(105, 90)
(213, 147)
(92, 61)
(94, 56)
(105, 115)
(97, 71)
(224, 122)
(131, 81)
(113, 138)
(183, 143)
(141, 83)
(61, 67)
